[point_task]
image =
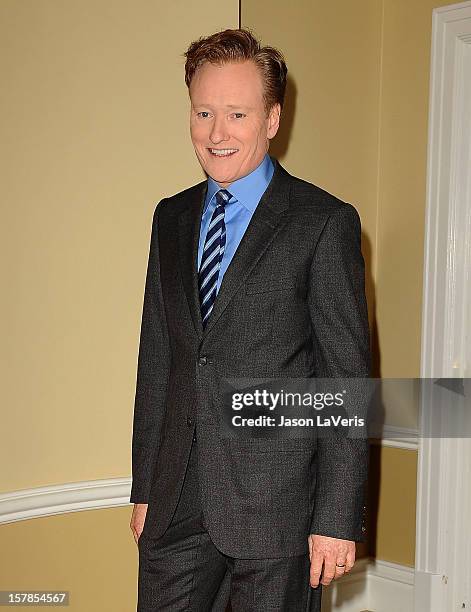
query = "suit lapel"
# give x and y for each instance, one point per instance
(265, 223)
(188, 238)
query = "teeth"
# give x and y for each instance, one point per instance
(223, 152)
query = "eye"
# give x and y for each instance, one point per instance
(239, 115)
(203, 114)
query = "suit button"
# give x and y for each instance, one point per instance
(202, 361)
(190, 422)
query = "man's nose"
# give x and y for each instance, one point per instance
(218, 131)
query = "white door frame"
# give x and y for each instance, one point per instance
(443, 535)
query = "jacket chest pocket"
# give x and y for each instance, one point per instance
(270, 285)
(278, 288)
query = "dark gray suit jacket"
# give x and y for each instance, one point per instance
(291, 305)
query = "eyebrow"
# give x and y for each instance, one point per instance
(228, 106)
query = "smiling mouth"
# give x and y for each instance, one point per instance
(222, 152)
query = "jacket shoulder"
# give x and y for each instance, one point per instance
(306, 197)
(175, 204)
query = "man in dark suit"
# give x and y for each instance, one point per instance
(251, 273)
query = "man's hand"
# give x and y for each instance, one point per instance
(137, 520)
(327, 552)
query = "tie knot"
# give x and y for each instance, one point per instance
(222, 197)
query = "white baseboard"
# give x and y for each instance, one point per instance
(390, 587)
(373, 585)
(350, 593)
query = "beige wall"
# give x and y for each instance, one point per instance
(94, 132)
(392, 505)
(330, 125)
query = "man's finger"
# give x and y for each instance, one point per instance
(329, 571)
(317, 561)
(350, 560)
(309, 541)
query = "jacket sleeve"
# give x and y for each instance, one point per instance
(340, 332)
(152, 376)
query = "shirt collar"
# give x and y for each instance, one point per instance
(247, 190)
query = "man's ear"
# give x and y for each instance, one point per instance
(273, 120)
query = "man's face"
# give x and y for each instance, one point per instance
(229, 126)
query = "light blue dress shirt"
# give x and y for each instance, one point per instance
(246, 194)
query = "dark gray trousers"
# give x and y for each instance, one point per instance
(183, 570)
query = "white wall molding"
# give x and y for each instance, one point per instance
(443, 504)
(69, 497)
(399, 437)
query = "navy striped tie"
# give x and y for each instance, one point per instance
(212, 256)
